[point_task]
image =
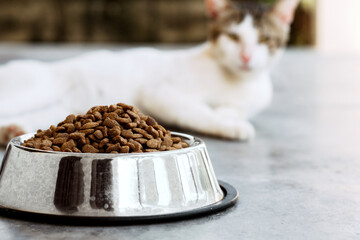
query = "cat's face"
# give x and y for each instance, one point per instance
(247, 37)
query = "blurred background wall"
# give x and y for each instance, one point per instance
(118, 21)
(338, 25)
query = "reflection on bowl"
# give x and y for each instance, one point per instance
(101, 185)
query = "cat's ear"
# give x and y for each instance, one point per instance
(285, 10)
(215, 7)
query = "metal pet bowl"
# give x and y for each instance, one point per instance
(123, 187)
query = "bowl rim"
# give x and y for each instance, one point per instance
(194, 142)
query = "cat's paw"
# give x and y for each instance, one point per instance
(242, 130)
(9, 132)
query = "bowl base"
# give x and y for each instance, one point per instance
(231, 196)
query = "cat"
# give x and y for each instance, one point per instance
(214, 88)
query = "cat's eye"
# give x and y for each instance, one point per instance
(264, 39)
(233, 37)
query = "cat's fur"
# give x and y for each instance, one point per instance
(213, 88)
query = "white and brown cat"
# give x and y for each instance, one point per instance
(214, 88)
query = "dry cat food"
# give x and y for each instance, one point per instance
(118, 128)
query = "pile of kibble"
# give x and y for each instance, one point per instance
(118, 128)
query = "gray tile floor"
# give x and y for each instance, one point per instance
(299, 179)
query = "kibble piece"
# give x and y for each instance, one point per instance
(137, 146)
(90, 125)
(29, 144)
(79, 117)
(71, 128)
(70, 119)
(131, 145)
(89, 149)
(142, 124)
(39, 134)
(90, 117)
(152, 143)
(105, 131)
(125, 106)
(67, 125)
(75, 149)
(77, 125)
(124, 149)
(37, 144)
(167, 141)
(59, 141)
(48, 133)
(127, 133)
(97, 115)
(61, 135)
(176, 139)
(46, 148)
(152, 131)
(59, 129)
(143, 132)
(120, 139)
(177, 145)
(77, 135)
(115, 131)
(143, 116)
(123, 120)
(131, 125)
(125, 115)
(93, 109)
(112, 107)
(113, 147)
(112, 115)
(46, 143)
(141, 140)
(137, 135)
(92, 137)
(80, 137)
(161, 134)
(95, 145)
(103, 142)
(98, 134)
(68, 145)
(87, 131)
(103, 109)
(110, 123)
(151, 121)
(161, 128)
(56, 148)
(133, 115)
(119, 111)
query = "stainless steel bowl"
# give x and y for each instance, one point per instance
(106, 185)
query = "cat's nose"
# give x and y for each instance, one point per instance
(245, 57)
